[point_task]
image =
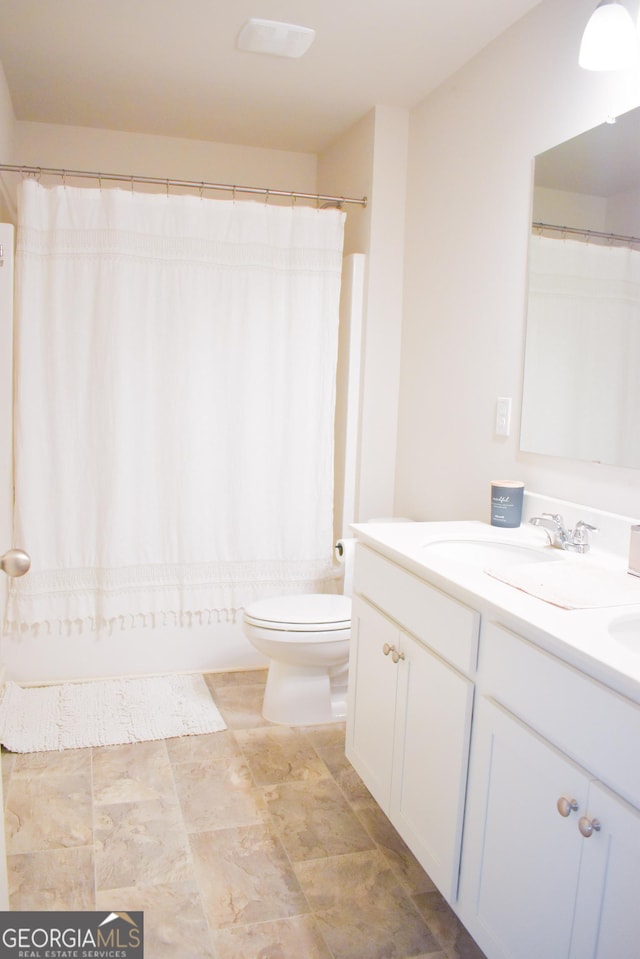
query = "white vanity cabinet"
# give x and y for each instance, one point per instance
(513, 776)
(551, 859)
(409, 715)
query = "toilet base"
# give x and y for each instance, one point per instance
(302, 696)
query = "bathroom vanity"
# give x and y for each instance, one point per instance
(501, 732)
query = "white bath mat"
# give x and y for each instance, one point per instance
(105, 712)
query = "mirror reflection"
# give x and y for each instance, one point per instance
(581, 393)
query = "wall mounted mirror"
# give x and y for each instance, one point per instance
(581, 392)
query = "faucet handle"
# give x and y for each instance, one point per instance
(580, 535)
(556, 517)
(585, 528)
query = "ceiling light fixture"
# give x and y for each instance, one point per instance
(277, 39)
(610, 39)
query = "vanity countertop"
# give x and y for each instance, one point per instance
(579, 637)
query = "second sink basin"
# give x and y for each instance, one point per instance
(484, 553)
(626, 630)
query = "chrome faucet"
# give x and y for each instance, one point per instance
(576, 540)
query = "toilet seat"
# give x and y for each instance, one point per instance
(302, 613)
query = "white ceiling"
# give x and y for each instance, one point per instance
(171, 67)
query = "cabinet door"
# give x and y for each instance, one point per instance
(373, 680)
(431, 755)
(607, 924)
(520, 857)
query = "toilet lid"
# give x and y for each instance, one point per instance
(306, 612)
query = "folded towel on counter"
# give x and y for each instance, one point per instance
(572, 585)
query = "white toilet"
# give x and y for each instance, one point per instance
(306, 638)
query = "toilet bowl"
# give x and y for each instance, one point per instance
(306, 638)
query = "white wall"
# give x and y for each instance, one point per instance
(561, 207)
(619, 213)
(7, 136)
(371, 159)
(469, 206)
(623, 213)
(111, 151)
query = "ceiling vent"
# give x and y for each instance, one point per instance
(277, 39)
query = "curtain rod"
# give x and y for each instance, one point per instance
(614, 237)
(191, 184)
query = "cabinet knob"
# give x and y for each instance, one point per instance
(396, 656)
(588, 826)
(15, 562)
(386, 649)
(566, 806)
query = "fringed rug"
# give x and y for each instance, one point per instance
(105, 712)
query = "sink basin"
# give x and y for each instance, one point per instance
(626, 630)
(484, 553)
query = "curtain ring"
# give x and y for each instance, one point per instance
(100, 182)
(266, 197)
(131, 184)
(201, 189)
(64, 179)
(233, 194)
(167, 189)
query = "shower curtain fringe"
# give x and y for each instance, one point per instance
(152, 620)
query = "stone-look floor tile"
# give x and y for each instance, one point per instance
(245, 877)
(175, 926)
(302, 791)
(280, 754)
(48, 812)
(361, 909)
(56, 879)
(343, 772)
(138, 844)
(446, 927)
(218, 795)
(404, 864)
(202, 749)
(240, 706)
(322, 737)
(63, 762)
(314, 820)
(133, 772)
(238, 677)
(8, 762)
(296, 938)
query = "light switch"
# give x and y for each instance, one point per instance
(503, 416)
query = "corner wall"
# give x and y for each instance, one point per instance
(370, 159)
(471, 151)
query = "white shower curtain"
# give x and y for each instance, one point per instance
(175, 380)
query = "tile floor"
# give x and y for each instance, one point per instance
(259, 842)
